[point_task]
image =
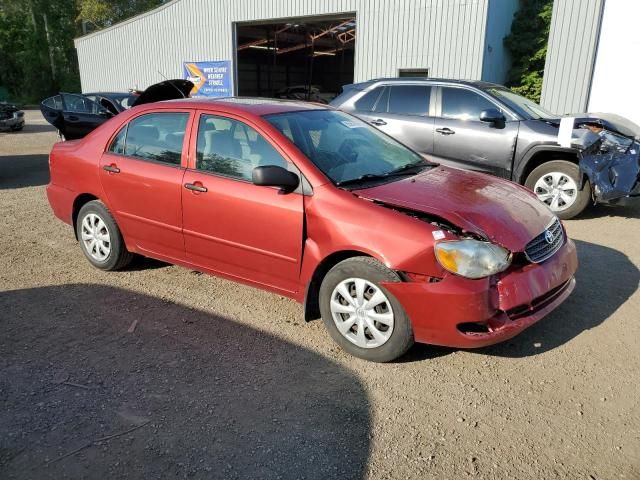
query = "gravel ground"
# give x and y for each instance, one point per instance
(219, 380)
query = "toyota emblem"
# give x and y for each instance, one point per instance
(548, 236)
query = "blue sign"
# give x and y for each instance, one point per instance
(210, 79)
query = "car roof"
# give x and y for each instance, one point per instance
(253, 105)
(472, 83)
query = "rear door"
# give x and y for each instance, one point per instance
(462, 140)
(232, 226)
(402, 111)
(141, 173)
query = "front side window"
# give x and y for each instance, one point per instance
(79, 104)
(462, 104)
(157, 137)
(343, 147)
(233, 149)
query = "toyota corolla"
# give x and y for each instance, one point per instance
(314, 204)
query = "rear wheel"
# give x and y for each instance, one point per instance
(100, 238)
(362, 317)
(555, 183)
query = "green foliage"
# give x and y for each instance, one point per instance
(527, 44)
(37, 54)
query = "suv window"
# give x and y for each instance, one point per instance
(462, 104)
(233, 149)
(367, 102)
(157, 137)
(409, 99)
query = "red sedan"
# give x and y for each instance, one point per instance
(316, 205)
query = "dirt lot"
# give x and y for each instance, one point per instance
(220, 380)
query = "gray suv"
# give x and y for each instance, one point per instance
(479, 126)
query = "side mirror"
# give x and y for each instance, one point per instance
(492, 115)
(274, 176)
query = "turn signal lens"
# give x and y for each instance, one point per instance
(472, 258)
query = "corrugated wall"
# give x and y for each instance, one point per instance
(573, 42)
(446, 36)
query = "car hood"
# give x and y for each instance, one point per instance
(167, 90)
(498, 210)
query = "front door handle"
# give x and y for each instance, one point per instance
(196, 187)
(378, 122)
(445, 131)
(111, 168)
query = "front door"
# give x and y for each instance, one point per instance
(462, 140)
(232, 226)
(141, 173)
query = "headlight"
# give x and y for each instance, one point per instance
(472, 258)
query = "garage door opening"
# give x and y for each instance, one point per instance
(307, 58)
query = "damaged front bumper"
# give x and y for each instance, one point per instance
(614, 175)
(463, 313)
(610, 161)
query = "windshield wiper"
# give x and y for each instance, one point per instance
(404, 170)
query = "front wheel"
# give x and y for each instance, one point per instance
(362, 317)
(556, 184)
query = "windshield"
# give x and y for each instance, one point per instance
(343, 147)
(521, 105)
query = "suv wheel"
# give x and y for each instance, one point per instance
(556, 184)
(362, 317)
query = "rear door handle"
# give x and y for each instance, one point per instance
(445, 131)
(72, 118)
(111, 168)
(195, 187)
(378, 121)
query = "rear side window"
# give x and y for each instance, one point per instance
(462, 104)
(368, 101)
(157, 137)
(79, 104)
(233, 149)
(117, 144)
(409, 99)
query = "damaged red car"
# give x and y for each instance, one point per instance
(314, 204)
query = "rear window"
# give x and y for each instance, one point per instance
(409, 99)
(368, 101)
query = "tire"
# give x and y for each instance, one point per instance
(368, 273)
(96, 223)
(559, 176)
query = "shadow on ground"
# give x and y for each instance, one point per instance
(606, 278)
(20, 171)
(212, 398)
(630, 210)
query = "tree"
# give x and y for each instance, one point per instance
(37, 53)
(527, 44)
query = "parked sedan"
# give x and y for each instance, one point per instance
(74, 115)
(316, 205)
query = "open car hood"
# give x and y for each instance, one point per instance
(167, 90)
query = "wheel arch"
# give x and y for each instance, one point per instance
(78, 203)
(311, 301)
(540, 155)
